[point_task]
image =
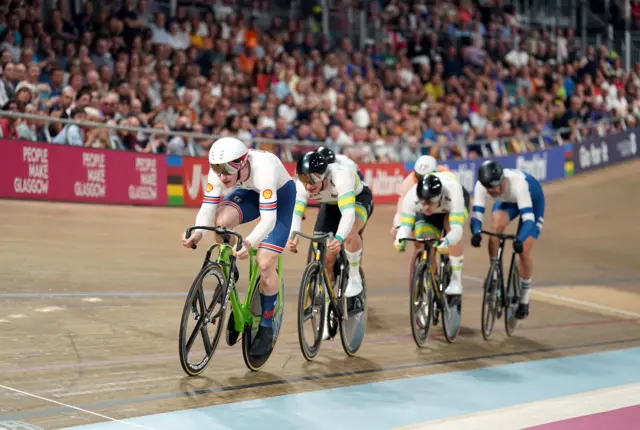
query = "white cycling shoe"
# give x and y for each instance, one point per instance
(354, 286)
(454, 288)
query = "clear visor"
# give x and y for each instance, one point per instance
(493, 184)
(310, 178)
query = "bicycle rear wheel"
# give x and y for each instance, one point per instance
(490, 301)
(451, 306)
(353, 325)
(208, 316)
(421, 304)
(311, 305)
(253, 362)
(512, 299)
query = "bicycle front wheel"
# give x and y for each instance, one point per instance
(490, 301)
(421, 304)
(208, 317)
(311, 307)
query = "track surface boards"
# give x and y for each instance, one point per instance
(91, 299)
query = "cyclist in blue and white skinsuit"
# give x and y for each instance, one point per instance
(263, 188)
(516, 193)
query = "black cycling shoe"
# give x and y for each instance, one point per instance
(453, 300)
(263, 342)
(523, 311)
(355, 304)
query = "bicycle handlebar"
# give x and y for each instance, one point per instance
(499, 235)
(224, 232)
(429, 240)
(318, 237)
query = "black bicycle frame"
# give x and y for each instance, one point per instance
(428, 248)
(502, 239)
(321, 240)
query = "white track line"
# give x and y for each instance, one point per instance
(566, 299)
(585, 303)
(15, 390)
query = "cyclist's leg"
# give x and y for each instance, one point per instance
(456, 252)
(327, 222)
(526, 258)
(502, 214)
(237, 208)
(353, 241)
(267, 260)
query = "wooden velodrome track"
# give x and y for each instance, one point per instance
(91, 297)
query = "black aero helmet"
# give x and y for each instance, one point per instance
(311, 168)
(327, 154)
(429, 188)
(490, 174)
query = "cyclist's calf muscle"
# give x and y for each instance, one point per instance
(267, 262)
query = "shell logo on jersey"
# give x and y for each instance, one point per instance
(267, 194)
(209, 188)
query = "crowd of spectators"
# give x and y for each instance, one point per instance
(445, 73)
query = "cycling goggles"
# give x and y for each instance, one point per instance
(493, 184)
(310, 178)
(227, 168)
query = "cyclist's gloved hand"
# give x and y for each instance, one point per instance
(400, 245)
(476, 240)
(517, 246)
(443, 246)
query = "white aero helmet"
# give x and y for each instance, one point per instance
(227, 155)
(424, 165)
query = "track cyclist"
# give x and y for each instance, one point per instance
(263, 188)
(438, 202)
(515, 193)
(348, 205)
(423, 166)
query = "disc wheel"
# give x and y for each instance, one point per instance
(451, 308)
(207, 316)
(253, 362)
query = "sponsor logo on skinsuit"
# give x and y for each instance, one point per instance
(267, 194)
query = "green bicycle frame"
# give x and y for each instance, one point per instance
(242, 315)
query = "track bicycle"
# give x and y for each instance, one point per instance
(427, 300)
(497, 298)
(242, 319)
(349, 315)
